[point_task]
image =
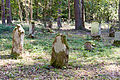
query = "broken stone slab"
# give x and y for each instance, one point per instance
(60, 52)
(18, 41)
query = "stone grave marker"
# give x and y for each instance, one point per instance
(60, 54)
(18, 41)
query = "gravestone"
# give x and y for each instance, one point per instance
(95, 33)
(112, 32)
(108, 41)
(117, 39)
(32, 30)
(60, 54)
(18, 41)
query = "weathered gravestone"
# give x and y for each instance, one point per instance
(95, 31)
(112, 32)
(60, 54)
(32, 30)
(108, 41)
(117, 39)
(18, 41)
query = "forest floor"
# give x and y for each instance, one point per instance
(102, 63)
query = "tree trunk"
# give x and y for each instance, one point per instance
(44, 13)
(31, 11)
(3, 12)
(82, 13)
(119, 14)
(78, 20)
(68, 10)
(36, 9)
(59, 24)
(9, 16)
(18, 41)
(20, 11)
(60, 54)
(26, 12)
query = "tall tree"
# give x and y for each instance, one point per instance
(20, 10)
(59, 24)
(68, 10)
(78, 20)
(3, 12)
(119, 14)
(9, 16)
(82, 12)
(31, 10)
(26, 12)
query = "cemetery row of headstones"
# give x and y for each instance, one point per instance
(112, 39)
(60, 49)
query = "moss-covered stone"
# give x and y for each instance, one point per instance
(60, 54)
(18, 40)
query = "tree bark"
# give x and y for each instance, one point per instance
(26, 12)
(119, 14)
(82, 13)
(59, 24)
(9, 16)
(31, 11)
(3, 12)
(68, 10)
(78, 20)
(20, 11)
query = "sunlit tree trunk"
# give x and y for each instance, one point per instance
(9, 16)
(78, 20)
(26, 12)
(82, 12)
(119, 14)
(3, 12)
(20, 11)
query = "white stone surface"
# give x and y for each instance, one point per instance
(58, 45)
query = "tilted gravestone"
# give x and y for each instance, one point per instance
(60, 54)
(32, 30)
(18, 41)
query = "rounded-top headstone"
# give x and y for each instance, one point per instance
(60, 54)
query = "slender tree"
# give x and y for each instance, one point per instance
(26, 12)
(20, 10)
(3, 12)
(68, 10)
(82, 12)
(59, 24)
(119, 14)
(77, 12)
(9, 16)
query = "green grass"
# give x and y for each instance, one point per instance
(84, 64)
